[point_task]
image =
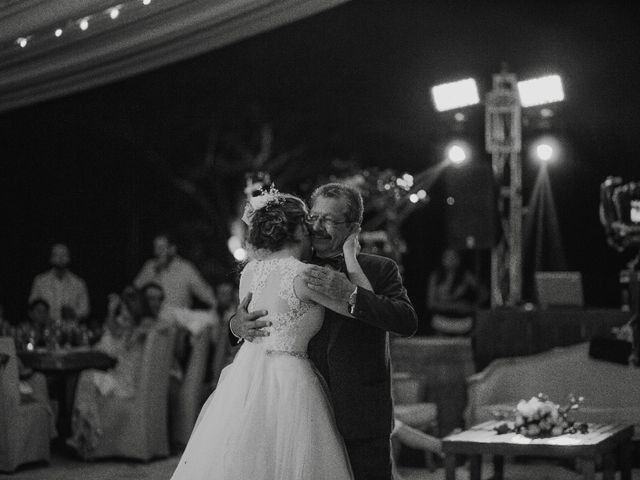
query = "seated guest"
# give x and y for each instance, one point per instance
(452, 296)
(39, 313)
(126, 328)
(154, 308)
(34, 329)
(65, 292)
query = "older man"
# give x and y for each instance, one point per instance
(65, 292)
(351, 354)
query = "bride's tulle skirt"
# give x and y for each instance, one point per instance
(269, 418)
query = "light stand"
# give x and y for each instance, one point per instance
(503, 138)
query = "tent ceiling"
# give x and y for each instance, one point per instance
(141, 38)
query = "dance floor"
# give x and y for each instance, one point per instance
(63, 467)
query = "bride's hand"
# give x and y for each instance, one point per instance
(351, 247)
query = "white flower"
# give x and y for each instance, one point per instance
(261, 201)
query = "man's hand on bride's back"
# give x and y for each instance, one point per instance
(248, 325)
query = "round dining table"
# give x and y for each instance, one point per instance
(73, 359)
(62, 367)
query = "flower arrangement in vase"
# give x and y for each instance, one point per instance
(540, 417)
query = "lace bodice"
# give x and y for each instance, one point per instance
(294, 322)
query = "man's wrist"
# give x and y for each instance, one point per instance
(231, 328)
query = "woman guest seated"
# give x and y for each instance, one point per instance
(128, 321)
(453, 294)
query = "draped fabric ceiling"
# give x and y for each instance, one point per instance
(143, 36)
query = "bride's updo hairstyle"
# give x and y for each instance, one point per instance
(273, 225)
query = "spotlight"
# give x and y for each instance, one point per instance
(84, 24)
(546, 113)
(413, 198)
(545, 149)
(448, 96)
(146, 2)
(458, 152)
(539, 91)
(22, 41)
(234, 244)
(58, 32)
(240, 254)
(450, 201)
(422, 194)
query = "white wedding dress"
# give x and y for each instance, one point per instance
(270, 416)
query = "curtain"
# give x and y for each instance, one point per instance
(142, 37)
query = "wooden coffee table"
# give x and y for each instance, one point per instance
(608, 440)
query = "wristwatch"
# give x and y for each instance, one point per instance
(351, 303)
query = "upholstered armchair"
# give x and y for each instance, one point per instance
(137, 427)
(25, 421)
(185, 394)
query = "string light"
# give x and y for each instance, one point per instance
(82, 23)
(115, 12)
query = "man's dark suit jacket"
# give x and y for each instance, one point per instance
(352, 354)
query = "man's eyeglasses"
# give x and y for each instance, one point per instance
(311, 219)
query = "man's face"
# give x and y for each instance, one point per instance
(154, 298)
(162, 249)
(330, 229)
(60, 256)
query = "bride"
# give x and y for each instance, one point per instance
(270, 416)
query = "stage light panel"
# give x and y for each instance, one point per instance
(539, 91)
(449, 96)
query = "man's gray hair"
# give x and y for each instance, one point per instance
(351, 196)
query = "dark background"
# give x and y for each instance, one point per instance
(352, 82)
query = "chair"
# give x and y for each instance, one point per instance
(24, 423)
(185, 396)
(410, 412)
(137, 427)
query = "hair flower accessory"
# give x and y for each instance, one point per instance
(270, 197)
